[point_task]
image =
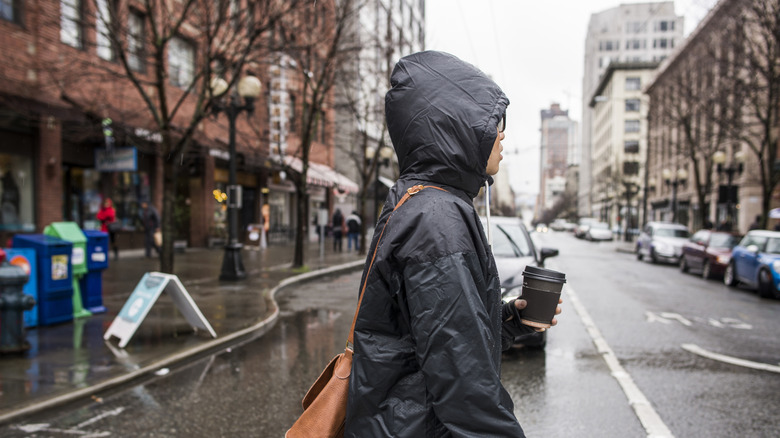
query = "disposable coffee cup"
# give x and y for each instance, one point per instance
(541, 290)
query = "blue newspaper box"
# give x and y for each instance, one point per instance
(25, 259)
(55, 276)
(97, 260)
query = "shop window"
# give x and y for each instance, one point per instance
(181, 62)
(71, 24)
(16, 193)
(11, 10)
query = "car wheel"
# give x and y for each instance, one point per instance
(765, 284)
(730, 276)
(706, 270)
(683, 264)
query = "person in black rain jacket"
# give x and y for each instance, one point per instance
(431, 326)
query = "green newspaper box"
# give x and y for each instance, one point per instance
(71, 232)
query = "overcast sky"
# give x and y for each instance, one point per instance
(534, 50)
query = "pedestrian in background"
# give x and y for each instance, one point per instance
(431, 324)
(337, 225)
(756, 224)
(353, 230)
(150, 220)
(108, 224)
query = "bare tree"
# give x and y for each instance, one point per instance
(162, 57)
(317, 39)
(695, 110)
(753, 54)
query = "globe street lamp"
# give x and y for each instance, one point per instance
(381, 159)
(248, 88)
(674, 179)
(735, 168)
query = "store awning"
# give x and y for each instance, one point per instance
(322, 175)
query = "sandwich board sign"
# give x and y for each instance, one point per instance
(143, 298)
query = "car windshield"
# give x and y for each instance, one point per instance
(773, 246)
(723, 241)
(671, 232)
(600, 226)
(509, 241)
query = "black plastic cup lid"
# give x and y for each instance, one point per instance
(545, 274)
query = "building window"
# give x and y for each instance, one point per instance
(181, 62)
(662, 43)
(631, 147)
(636, 44)
(630, 168)
(70, 23)
(633, 84)
(635, 27)
(105, 48)
(11, 10)
(664, 26)
(135, 41)
(632, 125)
(608, 46)
(632, 105)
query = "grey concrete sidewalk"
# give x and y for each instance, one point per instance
(71, 361)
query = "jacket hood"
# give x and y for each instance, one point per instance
(442, 115)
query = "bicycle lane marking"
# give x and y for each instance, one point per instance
(651, 421)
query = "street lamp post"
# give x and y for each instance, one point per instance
(630, 192)
(735, 168)
(674, 179)
(381, 159)
(248, 88)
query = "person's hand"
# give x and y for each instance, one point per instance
(520, 304)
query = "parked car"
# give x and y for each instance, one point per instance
(599, 231)
(661, 242)
(708, 252)
(755, 261)
(513, 249)
(582, 226)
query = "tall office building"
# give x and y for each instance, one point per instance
(640, 32)
(558, 135)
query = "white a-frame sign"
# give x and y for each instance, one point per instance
(143, 298)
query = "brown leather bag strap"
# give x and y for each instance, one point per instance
(411, 191)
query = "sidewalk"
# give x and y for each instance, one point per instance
(71, 361)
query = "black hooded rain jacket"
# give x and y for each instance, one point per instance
(427, 341)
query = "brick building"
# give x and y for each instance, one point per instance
(64, 81)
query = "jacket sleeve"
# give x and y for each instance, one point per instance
(456, 340)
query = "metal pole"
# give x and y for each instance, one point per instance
(729, 174)
(232, 265)
(674, 201)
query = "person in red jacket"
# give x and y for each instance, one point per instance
(107, 217)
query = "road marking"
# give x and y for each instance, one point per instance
(695, 349)
(678, 317)
(651, 421)
(651, 317)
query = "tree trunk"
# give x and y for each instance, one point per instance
(170, 176)
(300, 225)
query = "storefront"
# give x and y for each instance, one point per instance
(17, 188)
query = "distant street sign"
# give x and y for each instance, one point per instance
(143, 298)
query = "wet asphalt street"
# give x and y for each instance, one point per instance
(640, 314)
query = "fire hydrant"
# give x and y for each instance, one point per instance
(13, 303)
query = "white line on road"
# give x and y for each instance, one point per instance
(651, 421)
(695, 349)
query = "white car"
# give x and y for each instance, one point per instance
(662, 242)
(598, 231)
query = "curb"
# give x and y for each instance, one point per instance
(262, 327)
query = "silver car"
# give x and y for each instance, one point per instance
(513, 249)
(661, 242)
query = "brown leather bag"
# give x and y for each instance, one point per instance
(325, 404)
